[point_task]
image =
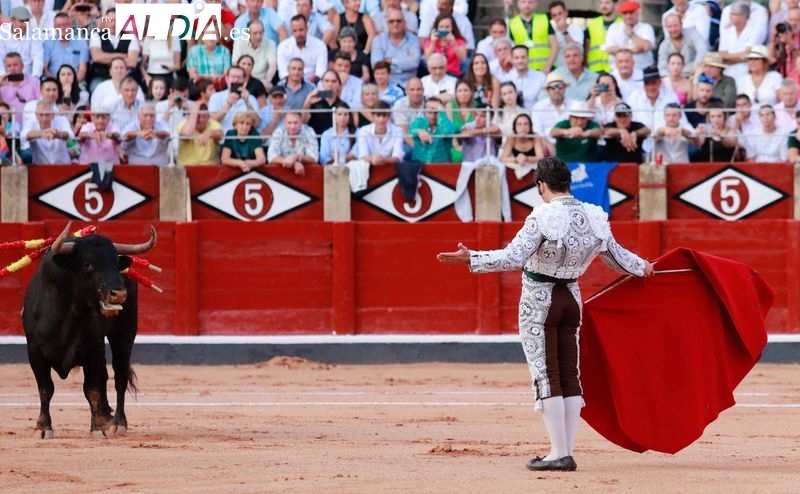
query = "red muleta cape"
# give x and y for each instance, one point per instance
(660, 357)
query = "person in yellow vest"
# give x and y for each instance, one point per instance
(596, 28)
(533, 30)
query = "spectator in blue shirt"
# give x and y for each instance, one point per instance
(398, 47)
(72, 52)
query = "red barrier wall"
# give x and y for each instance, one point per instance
(312, 277)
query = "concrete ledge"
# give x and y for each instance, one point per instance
(368, 349)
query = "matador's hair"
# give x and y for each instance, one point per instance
(554, 172)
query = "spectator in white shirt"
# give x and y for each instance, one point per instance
(438, 82)
(497, 30)
(145, 140)
(547, 112)
(632, 34)
(528, 82)
(566, 32)
(736, 37)
(769, 143)
(693, 14)
(629, 78)
(309, 49)
(48, 136)
(108, 92)
(786, 109)
(502, 65)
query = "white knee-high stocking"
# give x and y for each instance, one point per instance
(553, 412)
(572, 416)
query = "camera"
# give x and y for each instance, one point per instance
(602, 88)
(783, 27)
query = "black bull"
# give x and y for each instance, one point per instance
(76, 299)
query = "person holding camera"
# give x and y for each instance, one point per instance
(604, 97)
(318, 106)
(16, 88)
(224, 105)
(447, 40)
(784, 48)
(175, 109)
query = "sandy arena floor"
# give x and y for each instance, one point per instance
(290, 425)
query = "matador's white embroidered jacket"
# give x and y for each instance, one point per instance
(560, 239)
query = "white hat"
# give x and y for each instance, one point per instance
(580, 109)
(758, 51)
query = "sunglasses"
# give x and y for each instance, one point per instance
(556, 87)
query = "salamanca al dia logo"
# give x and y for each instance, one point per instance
(153, 20)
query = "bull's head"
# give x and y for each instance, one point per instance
(95, 263)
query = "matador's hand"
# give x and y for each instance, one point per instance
(461, 256)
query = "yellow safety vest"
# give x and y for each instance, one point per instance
(539, 46)
(597, 58)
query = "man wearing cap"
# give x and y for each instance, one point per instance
(579, 79)
(697, 108)
(692, 14)
(624, 137)
(547, 112)
(649, 102)
(638, 37)
(19, 41)
(576, 137)
(597, 59)
(686, 41)
(534, 31)
(737, 36)
(272, 115)
(724, 86)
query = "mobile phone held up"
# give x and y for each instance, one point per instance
(236, 87)
(325, 94)
(442, 33)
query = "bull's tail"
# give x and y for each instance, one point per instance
(130, 376)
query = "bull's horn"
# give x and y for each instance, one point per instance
(130, 249)
(61, 247)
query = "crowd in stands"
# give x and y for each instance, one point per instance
(365, 83)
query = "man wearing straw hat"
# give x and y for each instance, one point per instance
(576, 137)
(724, 86)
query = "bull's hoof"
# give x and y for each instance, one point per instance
(44, 434)
(117, 430)
(99, 434)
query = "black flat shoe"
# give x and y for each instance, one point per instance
(565, 464)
